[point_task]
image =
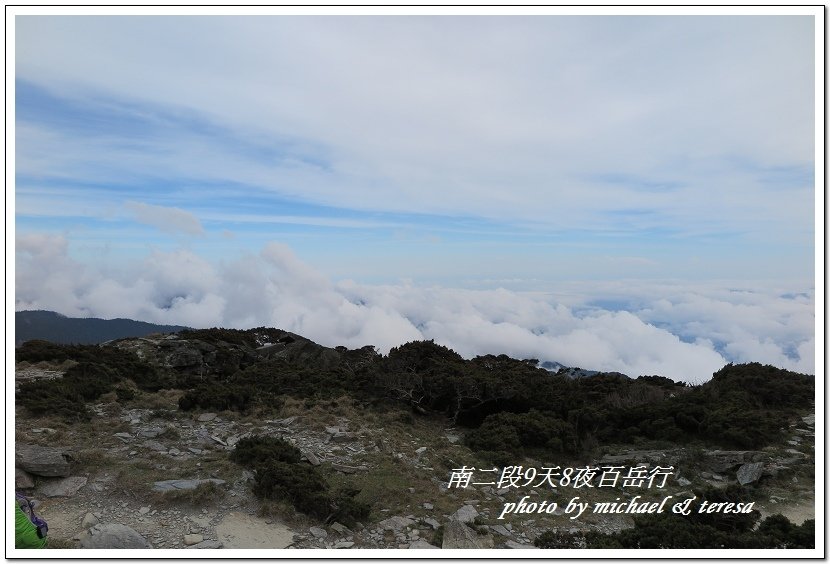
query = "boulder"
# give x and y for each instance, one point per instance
(318, 532)
(459, 535)
(205, 417)
(90, 520)
(41, 461)
(113, 535)
(64, 487)
(466, 514)
(750, 472)
(421, 543)
(23, 480)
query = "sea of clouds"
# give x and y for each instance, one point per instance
(685, 331)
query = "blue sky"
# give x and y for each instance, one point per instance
(471, 153)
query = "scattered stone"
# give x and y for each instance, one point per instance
(154, 445)
(432, 523)
(500, 529)
(194, 450)
(513, 544)
(207, 544)
(66, 487)
(683, 482)
(459, 535)
(750, 472)
(172, 485)
(318, 532)
(150, 432)
(465, 514)
(191, 539)
(421, 543)
(395, 523)
(205, 417)
(453, 438)
(428, 506)
(340, 528)
(174, 452)
(344, 544)
(144, 510)
(113, 535)
(420, 450)
(343, 437)
(333, 430)
(41, 461)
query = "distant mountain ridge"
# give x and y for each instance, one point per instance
(57, 328)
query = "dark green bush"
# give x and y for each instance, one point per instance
(254, 451)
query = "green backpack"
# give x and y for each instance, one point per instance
(29, 529)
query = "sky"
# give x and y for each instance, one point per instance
(630, 193)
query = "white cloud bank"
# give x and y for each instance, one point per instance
(277, 289)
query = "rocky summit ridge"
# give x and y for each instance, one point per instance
(365, 451)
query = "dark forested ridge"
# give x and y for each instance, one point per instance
(57, 328)
(511, 407)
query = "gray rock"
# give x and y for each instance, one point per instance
(340, 528)
(41, 461)
(150, 432)
(23, 480)
(432, 523)
(113, 535)
(421, 543)
(344, 544)
(343, 437)
(459, 535)
(154, 445)
(500, 529)
(724, 460)
(318, 532)
(90, 520)
(205, 417)
(395, 523)
(207, 544)
(420, 450)
(683, 482)
(750, 472)
(172, 485)
(513, 544)
(466, 514)
(191, 539)
(312, 458)
(65, 487)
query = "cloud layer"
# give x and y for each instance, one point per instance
(686, 334)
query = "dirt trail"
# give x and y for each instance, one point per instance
(238, 530)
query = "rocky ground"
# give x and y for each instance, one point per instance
(143, 474)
